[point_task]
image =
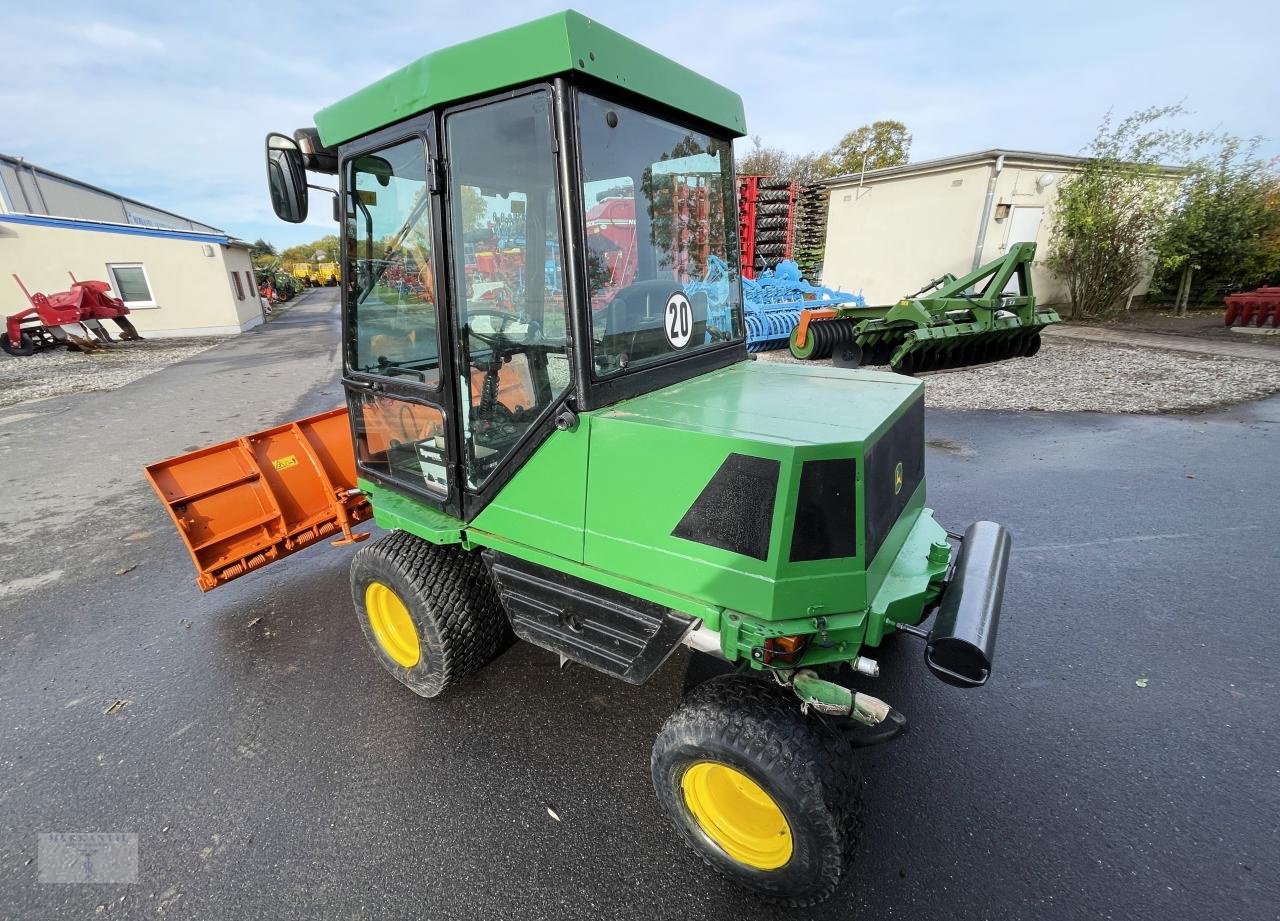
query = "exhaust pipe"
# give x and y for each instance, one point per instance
(962, 643)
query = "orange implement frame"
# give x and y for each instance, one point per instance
(802, 328)
(243, 504)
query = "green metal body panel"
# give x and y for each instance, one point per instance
(557, 44)
(652, 456)
(544, 504)
(395, 511)
(601, 502)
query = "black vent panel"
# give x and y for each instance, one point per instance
(734, 511)
(888, 487)
(826, 511)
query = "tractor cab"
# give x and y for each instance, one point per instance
(515, 255)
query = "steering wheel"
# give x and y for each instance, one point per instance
(500, 345)
(534, 329)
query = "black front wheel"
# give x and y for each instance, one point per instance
(766, 796)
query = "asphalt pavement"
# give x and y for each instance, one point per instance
(1122, 762)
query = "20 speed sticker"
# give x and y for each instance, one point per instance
(678, 323)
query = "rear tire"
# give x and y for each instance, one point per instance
(768, 798)
(429, 612)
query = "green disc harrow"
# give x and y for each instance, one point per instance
(988, 315)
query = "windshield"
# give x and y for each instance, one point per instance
(662, 242)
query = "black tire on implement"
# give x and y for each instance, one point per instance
(807, 768)
(25, 345)
(450, 597)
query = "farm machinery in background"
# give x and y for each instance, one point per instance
(780, 220)
(304, 272)
(326, 274)
(67, 318)
(774, 300)
(277, 285)
(311, 275)
(1254, 308)
(985, 316)
(988, 315)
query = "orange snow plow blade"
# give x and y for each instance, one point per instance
(245, 503)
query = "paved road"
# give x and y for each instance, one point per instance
(272, 771)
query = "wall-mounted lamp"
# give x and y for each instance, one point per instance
(1044, 180)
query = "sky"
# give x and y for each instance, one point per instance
(169, 102)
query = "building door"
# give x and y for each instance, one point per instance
(1024, 225)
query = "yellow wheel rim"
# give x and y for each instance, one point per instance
(392, 625)
(738, 815)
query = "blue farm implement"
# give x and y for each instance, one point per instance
(773, 302)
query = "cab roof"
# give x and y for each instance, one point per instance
(557, 44)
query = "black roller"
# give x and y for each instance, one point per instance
(961, 645)
(830, 334)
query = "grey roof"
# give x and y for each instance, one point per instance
(32, 172)
(967, 159)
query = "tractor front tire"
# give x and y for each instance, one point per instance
(430, 612)
(767, 797)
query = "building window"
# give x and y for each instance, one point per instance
(131, 284)
(248, 277)
(235, 276)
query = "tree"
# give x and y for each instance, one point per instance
(881, 143)
(328, 246)
(1113, 210)
(878, 145)
(1226, 233)
(475, 210)
(765, 161)
(261, 247)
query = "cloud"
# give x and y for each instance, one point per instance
(114, 37)
(169, 103)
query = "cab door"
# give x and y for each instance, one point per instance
(396, 352)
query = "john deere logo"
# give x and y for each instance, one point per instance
(897, 478)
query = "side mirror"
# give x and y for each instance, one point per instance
(286, 179)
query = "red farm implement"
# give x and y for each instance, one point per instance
(766, 221)
(69, 318)
(1254, 308)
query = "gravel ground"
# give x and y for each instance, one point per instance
(1087, 376)
(55, 372)
(1064, 377)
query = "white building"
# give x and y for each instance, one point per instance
(178, 277)
(890, 231)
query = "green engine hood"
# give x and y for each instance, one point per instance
(796, 405)
(767, 488)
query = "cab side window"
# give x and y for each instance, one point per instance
(393, 329)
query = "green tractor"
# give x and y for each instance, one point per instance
(552, 410)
